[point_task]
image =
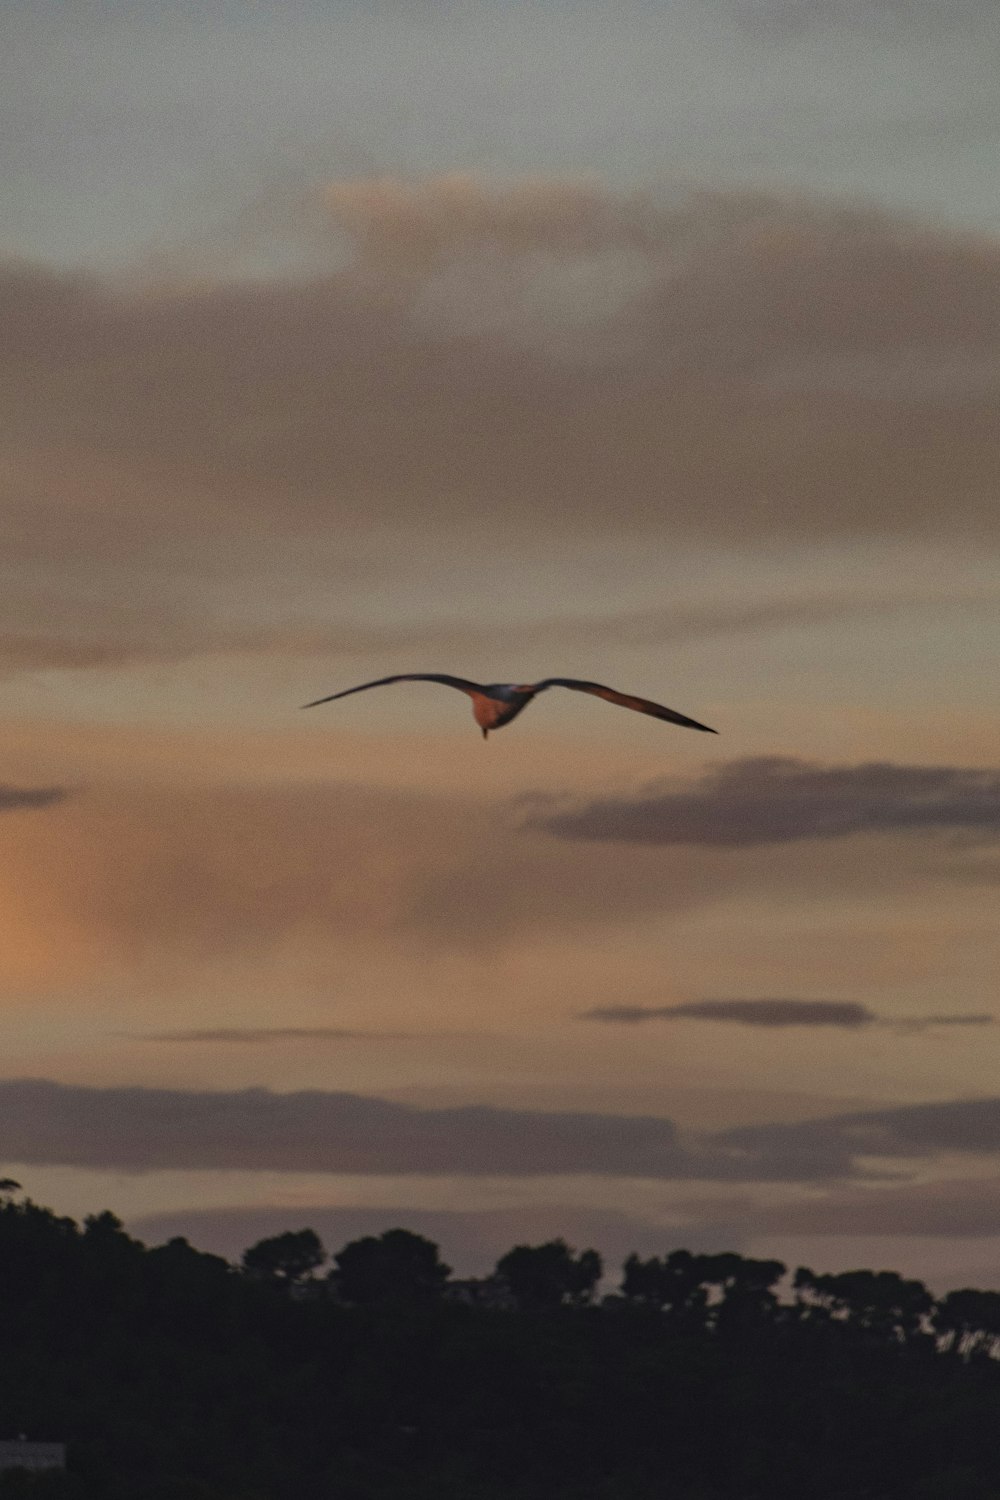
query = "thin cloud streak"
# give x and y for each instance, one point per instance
(925, 1023)
(251, 1035)
(71, 634)
(20, 798)
(848, 1015)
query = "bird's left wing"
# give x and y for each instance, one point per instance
(456, 682)
(626, 700)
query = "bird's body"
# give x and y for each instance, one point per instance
(495, 704)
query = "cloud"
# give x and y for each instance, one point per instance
(17, 798)
(47, 629)
(192, 853)
(907, 1132)
(656, 356)
(921, 1023)
(44, 629)
(182, 874)
(143, 1129)
(849, 1015)
(140, 1129)
(714, 369)
(420, 225)
(770, 800)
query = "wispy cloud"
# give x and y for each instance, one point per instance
(770, 800)
(255, 1035)
(922, 1023)
(70, 633)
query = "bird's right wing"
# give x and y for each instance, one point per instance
(625, 700)
(455, 682)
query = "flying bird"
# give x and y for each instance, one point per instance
(494, 704)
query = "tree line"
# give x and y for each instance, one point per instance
(710, 1292)
(374, 1373)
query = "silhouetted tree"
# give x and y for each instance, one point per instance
(747, 1287)
(395, 1267)
(678, 1284)
(880, 1303)
(550, 1274)
(968, 1322)
(285, 1259)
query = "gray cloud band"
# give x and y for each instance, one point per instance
(771, 800)
(145, 1129)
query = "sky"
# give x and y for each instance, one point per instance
(658, 347)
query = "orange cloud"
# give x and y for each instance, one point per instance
(174, 856)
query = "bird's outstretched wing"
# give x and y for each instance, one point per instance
(455, 682)
(626, 700)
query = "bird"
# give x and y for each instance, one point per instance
(495, 704)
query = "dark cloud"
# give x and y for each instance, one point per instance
(850, 1015)
(911, 1131)
(771, 800)
(140, 1129)
(13, 798)
(146, 1129)
(844, 1013)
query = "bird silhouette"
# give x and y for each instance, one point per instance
(494, 704)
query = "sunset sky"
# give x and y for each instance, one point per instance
(656, 344)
